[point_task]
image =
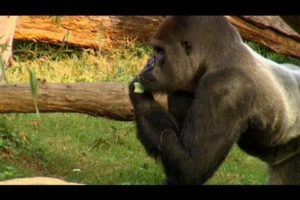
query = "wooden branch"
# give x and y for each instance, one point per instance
(111, 31)
(87, 31)
(98, 99)
(108, 100)
(270, 32)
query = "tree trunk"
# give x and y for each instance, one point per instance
(86, 31)
(110, 31)
(98, 99)
(269, 31)
(108, 100)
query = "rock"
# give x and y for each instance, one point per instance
(36, 181)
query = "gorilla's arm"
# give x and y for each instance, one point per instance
(151, 120)
(192, 154)
(179, 103)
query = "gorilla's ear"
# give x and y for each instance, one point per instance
(187, 47)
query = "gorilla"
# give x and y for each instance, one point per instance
(220, 92)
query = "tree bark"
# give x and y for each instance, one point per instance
(110, 31)
(99, 32)
(97, 99)
(108, 99)
(269, 31)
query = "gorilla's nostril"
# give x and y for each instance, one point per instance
(143, 79)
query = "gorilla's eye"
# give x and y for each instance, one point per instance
(158, 49)
(187, 47)
(158, 55)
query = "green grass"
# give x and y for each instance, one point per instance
(280, 58)
(85, 149)
(105, 151)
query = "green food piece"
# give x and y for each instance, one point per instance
(138, 88)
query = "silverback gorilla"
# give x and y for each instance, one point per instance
(220, 92)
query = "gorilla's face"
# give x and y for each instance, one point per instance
(173, 64)
(182, 49)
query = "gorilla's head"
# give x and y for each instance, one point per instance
(181, 47)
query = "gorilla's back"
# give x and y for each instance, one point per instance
(285, 80)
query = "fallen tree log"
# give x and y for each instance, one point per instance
(269, 31)
(108, 100)
(99, 32)
(110, 31)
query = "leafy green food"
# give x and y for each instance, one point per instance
(138, 88)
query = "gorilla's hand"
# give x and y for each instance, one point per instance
(150, 127)
(141, 100)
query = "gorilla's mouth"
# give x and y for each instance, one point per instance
(147, 82)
